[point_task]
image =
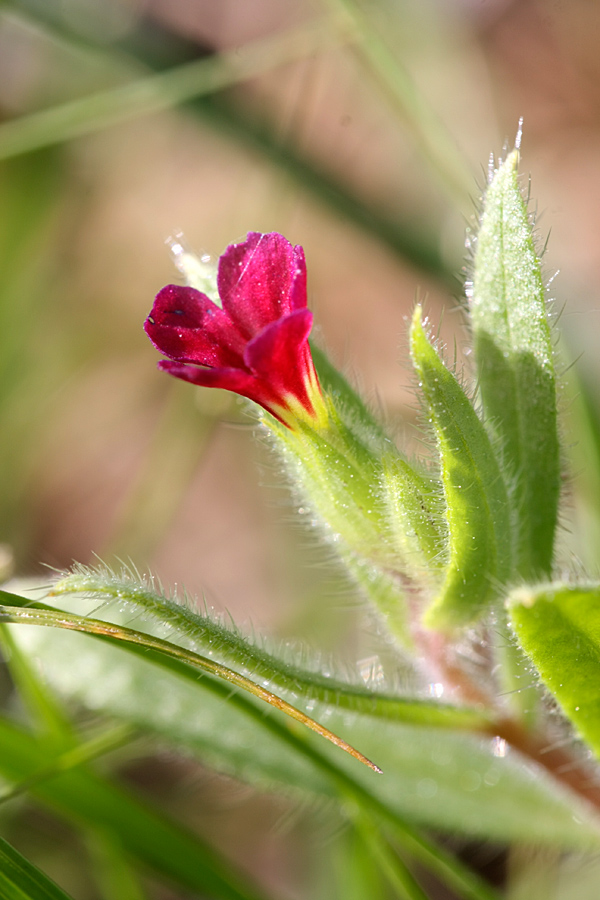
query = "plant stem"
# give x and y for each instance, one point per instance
(563, 766)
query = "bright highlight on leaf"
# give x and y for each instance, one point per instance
(515, 367)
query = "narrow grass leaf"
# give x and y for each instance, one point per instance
(20, 880)
(151, 838)
(424, 779)
(70, 622)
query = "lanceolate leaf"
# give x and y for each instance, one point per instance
(466, 783)
(475, 493)
(58, 619)
(190, 628)
(20, 880)
(515, 368)
(558, 626)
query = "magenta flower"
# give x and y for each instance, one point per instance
(256, 343)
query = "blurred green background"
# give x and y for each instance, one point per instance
(361, 131)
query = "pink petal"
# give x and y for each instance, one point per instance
(187, 326)
(260, 280)
(281, 355)
(237, 380)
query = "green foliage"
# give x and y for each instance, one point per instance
(415, 515)
(476, 500)
(190, 628)
(558, 626)
(89, 800)
(19, 880)
(422, 778)
(436, 545)
(515, 367)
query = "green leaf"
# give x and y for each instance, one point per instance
(151, 838)
(397, 873)
(415, 515)
(59, 619)
(384, 590)
(157, 91)
(335, 779)
(346, 400)
(339, 478)
(476, 500)
(434, 142)
(515, 366)
(558, 626)
(113, 869)
(190, 628)
(20, 880)
(461, 783)
(48, 717)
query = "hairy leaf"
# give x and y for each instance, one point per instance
(70, 622)
(476, 499)
(464, 783)
(558, 626)
(515, 366)
(190, 628)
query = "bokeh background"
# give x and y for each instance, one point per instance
(361, 131)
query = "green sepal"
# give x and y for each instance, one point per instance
(349, 406)
(474, 490)
(414, 505)
(558, 626)
(515, 367)
(339, 477)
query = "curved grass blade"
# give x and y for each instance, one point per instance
(515, 367)
(192, 714)
(476, 499)
(204, 631)
(75, 757)
(54, 619)
(558, 626)
(20, 880)
(164, 696)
